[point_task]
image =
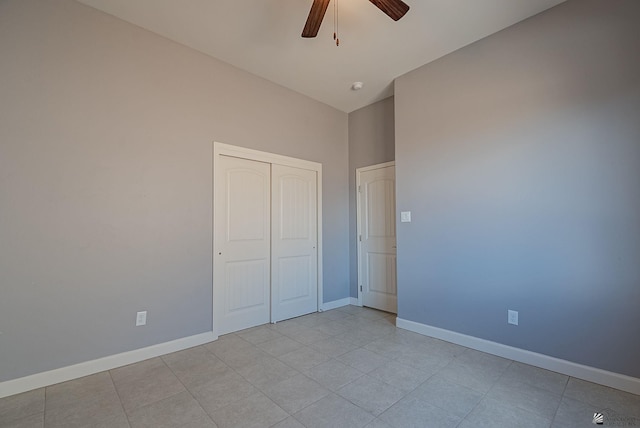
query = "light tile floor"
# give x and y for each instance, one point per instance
(349, 367)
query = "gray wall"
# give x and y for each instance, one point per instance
(519, 157)
(371, 141)
(106, 137)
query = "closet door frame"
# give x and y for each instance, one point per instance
(256, 155)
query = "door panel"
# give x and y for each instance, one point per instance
(294, 272)
(378, 238)
(242, 227)
(294, 287)
(293, 200)
(245, 281)
(245, 205)
(379, 191)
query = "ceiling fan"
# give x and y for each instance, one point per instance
(395, 9)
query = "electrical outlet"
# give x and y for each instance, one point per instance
(512, 317)
(405, 216)
(141, 318)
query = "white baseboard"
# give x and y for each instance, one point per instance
(327, 306)
(63, 374)
(354, 301)
(591, 374)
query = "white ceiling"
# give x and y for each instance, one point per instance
(263, 37)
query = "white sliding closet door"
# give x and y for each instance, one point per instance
(242, 273)
(294, 242)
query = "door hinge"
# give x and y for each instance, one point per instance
(361, 288)
(360, 238)
(359, 189)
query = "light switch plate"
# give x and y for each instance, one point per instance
(405, 217)
(141, 318)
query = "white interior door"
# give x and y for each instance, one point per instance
(243, 238)
(294, 242)
(377, 228)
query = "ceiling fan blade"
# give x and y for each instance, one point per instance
(395, 9)
(318, 9)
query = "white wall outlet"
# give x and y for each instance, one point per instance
(405, 216)
(512, 317)
(141, 318)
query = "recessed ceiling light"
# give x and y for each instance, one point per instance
(357, 86)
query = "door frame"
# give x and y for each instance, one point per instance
(359, 172)
(271, 158)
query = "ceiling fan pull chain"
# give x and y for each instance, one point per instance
(335, 23)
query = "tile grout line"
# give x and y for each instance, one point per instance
(185, 386)
(260, 389)
(486, 393)
(561, 399)
(331, 358)
(126, 415)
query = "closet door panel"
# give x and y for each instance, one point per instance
(294, 283)
(242, 273)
